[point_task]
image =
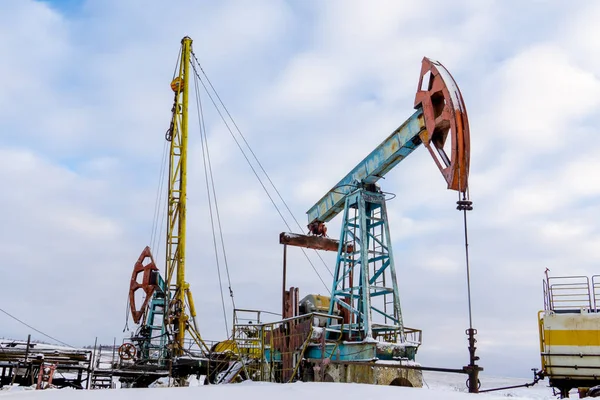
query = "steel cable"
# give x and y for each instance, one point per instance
(206, 178)
(257, 160)
(37, 330)
(159, 197)
(204, 140)
(468, 268)
(256, 174)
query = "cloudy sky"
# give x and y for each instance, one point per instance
(314, 86)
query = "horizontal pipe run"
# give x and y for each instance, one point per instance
(569, 355)
(573, 366)
(507, 387)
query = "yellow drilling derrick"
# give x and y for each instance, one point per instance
(167, 313)
(177, 135)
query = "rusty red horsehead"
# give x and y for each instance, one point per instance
(148, 284)
(445, 115)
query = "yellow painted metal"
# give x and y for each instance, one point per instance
(569, 344)
(322, 302)
(541, 331)
(226, 346)
(177, 316)
(195, 334)
(301, 357)
(556, 337)
(191, 305)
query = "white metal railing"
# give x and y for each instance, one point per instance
(571, 293)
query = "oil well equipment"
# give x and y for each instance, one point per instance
(356, 333)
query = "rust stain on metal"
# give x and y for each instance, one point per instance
(312, 242)
(317, 228)
(288, 339)
(445, 119)
(290, 302)
(144, 265)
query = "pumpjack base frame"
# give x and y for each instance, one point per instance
(369, 372)
(362, 351)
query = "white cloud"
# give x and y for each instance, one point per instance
(544, 94)
(578, 36)
(441, 264)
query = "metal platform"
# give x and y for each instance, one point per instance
(21, 361)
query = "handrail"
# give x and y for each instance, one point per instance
(569, 293)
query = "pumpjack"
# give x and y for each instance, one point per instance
(363, 337)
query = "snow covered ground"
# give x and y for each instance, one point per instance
(442, 383)
(437, 386)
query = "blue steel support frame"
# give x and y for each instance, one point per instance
(372, 259)
(365, 225)
(158, 337)
(397, 146)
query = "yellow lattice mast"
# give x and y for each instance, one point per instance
(177, 319)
